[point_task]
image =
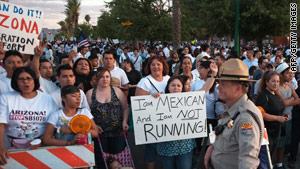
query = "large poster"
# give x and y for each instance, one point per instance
(20, 27)
(170, 117)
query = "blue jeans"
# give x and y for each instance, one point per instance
(177, 162)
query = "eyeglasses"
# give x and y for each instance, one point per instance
(29, 79)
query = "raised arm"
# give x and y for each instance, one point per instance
(210, 81)
(35, 64)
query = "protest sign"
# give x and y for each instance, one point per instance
(20, 27)
(170, 117)
(116, 41)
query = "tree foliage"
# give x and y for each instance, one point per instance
(258, 18)
(72, 15)
(148, 22)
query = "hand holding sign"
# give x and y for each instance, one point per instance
(2, 51)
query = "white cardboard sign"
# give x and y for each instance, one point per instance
(20, 27)
(170, 117)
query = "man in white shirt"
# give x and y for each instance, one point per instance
(65, 76)
(136, 59)
(118, 76)
(82, 53)
(166, 50)
(124, 55)
(278, 53)
(44, 71)
(250, 60)
(68, 48)
(11, 61)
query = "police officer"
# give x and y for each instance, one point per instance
(240, 131)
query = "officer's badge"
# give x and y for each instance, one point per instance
(246, 128)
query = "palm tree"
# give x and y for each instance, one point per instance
(176, 25)
(72, 13)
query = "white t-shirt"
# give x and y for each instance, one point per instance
(59, 119)
(47, 86)
(123, 57)
(145, 84)
(256, 86)
(137, 62)
(166, 52)
(3, 72)
(196, 75)
(197, 85)
(79, 55)
(5, 85)
(21, 114)
(56, 95)
(119, 74)
(192, 58)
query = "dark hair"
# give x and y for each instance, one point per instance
(44, 61)
(12, 53)
(110, 160)
(277, 57)
(184, 79)
(172, 79)
(76, 63)
(16, 74)
(93, 56)
(69, 89)
(131, 64)
(160, 59)
(252, 69)
(63, 56)
(100, 72)
(63, 67)
(266, 77)
(261, 59)
(181, 61)
(179, 51)
(91, 75)
(204, 46)
(110, 52)
(205, 64)
(81, 48)
(221, 56)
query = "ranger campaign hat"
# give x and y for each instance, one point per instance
(234, 69)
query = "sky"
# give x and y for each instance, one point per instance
(53, 10)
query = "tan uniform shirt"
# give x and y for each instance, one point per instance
(238, 147)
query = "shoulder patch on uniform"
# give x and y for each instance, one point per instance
(246, 128)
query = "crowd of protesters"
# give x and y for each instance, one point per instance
(39, 94)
